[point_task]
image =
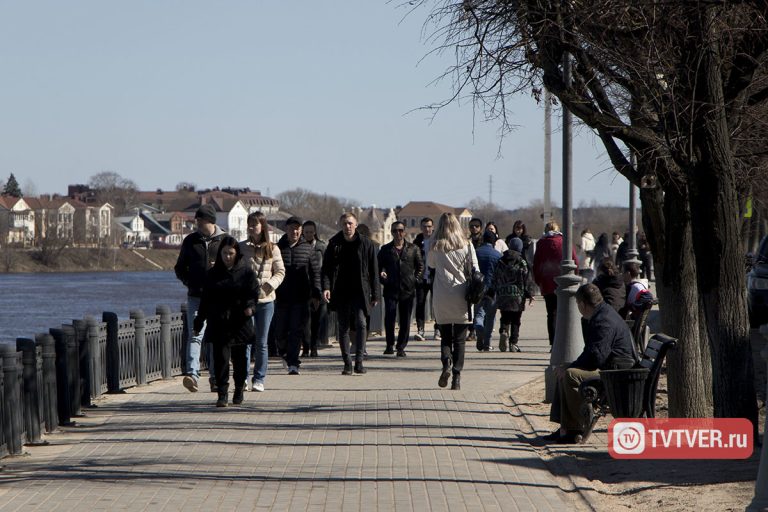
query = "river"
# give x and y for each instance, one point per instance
(32, 303)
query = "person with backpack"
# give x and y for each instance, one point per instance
(512, 287)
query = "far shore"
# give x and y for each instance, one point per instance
(18, 261)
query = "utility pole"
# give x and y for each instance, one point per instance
(546, 215)
(490, 189)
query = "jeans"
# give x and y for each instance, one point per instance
(194, 343)
(485, 318)
(222, 353)
(352, 315)
(452, 345)
(392, 308)
(290, 328)
(262, 318)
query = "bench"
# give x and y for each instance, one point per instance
(595, 404)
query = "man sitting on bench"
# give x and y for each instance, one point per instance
(607, 346)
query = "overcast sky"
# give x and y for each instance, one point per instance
(268, 95)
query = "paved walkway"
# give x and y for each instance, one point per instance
(388, 440)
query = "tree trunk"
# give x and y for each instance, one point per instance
(719, 261)
(688, 370)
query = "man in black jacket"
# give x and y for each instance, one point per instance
(607, 345)
(350, 286)
(196, 257)
(423, 285)
(300, 286)
(400, 268)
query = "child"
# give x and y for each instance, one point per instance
(511, 287)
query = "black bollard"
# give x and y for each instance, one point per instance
(84, 361)
(31, 390)
(13, 410)
(49, 390)
(98, 374)
(64, 398)
(140, 348)
(3, 444)
(112, 364)
(165, 340)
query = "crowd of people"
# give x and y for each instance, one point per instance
(242, 294)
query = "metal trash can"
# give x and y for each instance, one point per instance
(624, 390)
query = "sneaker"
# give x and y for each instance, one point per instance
(401, 353)
(437, 336)
(258, 386)
(513, 347)
(389, 351)
(419, 336)
(293, 370)
(190, 383)
(471, 337)
(238, 397)
(284, 363)
(503, 341)
(247, 386)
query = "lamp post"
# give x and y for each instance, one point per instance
(632, 252)
(568, 341)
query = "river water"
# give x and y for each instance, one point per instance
(32, 303)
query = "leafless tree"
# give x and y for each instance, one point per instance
(322, 208)
(683, 86)
(112, 188)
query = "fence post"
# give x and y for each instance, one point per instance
(3, 415)
(30, 390)
(165, 339)
(760, 501)
(139, 324)
(96, 364)
(112, 364)
(49, 386)
(64, 398)
(13, 411)
(84, 362)
(185, 339)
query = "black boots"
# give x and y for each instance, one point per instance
(237, 399)
(222, 401)
(347, 368)
(456, 383)
(359, 367)
(445, 375)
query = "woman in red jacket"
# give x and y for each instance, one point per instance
(546, 266)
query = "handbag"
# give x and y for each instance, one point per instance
(475, 282)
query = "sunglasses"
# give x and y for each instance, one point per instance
(399, 230)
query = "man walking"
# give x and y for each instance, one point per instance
(350, 286)
(196, 257)
(400, 268)
(485, 311)
(317, 333)
(301, 284)
(423, 285)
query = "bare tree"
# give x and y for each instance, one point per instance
(112, 188)
(311, 205)
(683, 86)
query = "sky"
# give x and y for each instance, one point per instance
(326, 96)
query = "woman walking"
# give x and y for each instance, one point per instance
(453, 258)
(227, 305)
(267, 263)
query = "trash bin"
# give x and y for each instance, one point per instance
(624, 390)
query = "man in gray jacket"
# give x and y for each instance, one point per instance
(196, 257)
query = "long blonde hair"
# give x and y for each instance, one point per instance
(448, 236)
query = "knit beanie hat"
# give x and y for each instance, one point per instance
(206, 212)
(516, 244)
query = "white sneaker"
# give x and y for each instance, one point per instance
(247, 386)
(293, 370)
(190, 383)
(258, 386)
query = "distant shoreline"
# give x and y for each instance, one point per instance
(75, 260)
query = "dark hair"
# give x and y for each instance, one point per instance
(589, 294)
(476, 221)
(491, 223)
(608, 267)
(425, 219)
(227, 241)
(489, 237)
(363, 230)
(519, 223)
(632, 268)
(397, 223)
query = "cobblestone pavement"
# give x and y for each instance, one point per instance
(387, 440)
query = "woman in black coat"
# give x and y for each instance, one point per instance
(611, 284)
(227, 304)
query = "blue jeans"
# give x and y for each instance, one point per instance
(194, 343)
(262, 317)
(485, 318)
